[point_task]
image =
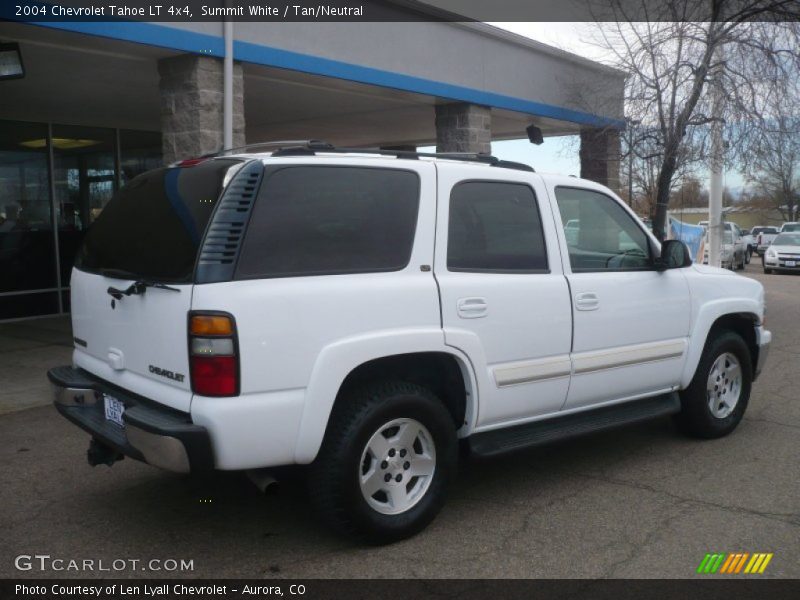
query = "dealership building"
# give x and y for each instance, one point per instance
(100, 103)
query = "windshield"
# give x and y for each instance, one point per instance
(153, 227)
(787, 239)
(790, 227)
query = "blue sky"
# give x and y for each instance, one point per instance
(556, 155)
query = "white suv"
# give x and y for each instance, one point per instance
(363, 312)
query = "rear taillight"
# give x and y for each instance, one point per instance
(213, 354)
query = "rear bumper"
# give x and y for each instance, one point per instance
(154, 434)
(763, 340)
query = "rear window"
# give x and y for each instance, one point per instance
(331, 220)
(153, 227)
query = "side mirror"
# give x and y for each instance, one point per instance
(674, 255)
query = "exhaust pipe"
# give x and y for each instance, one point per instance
(262, 479)
(100, 454)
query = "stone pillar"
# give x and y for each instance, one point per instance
(463, 127)
(600, 154)
(191, 106)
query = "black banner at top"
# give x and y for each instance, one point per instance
(397, 10)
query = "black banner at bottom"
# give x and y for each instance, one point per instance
(405, 589)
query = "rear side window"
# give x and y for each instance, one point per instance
(153, 227)
(495, 227)
(331, 220)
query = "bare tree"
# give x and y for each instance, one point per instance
(674, 50)
(644, 148)
(771, 156)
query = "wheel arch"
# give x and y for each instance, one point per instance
(742, 319)
(416, 357)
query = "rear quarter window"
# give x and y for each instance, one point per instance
(331, 220)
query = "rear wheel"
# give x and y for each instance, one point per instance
(385, 464)
(717, 397)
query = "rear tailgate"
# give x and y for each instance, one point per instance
(149, 234)
(138, 343)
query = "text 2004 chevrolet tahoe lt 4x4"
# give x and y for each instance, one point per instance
(363, 314)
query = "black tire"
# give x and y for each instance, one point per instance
(696, 418)
(748, 256)
(767, 271)
(333, 478)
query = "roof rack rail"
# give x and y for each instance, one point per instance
(277, 145)
(314, 146)
(311, 147)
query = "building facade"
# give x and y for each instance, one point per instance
(102, 102)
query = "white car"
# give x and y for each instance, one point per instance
(783, 254)
(749, 242)
(790, 227)
(764, 235)
(362, 312)
(733, 248)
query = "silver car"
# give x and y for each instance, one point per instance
(733, 249)
(783, 254)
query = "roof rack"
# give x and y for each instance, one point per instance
(311, 147)
(275, 145)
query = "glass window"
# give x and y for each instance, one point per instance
(495, 227)
(140, 151)
(85, 179)
(600, 234)
(787, 239)
(154, 225)
(27, 253)
(331, 220)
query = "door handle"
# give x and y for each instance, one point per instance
(472, 308)
(587, 301)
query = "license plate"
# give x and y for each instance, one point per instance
(114, 409)
(791, 263)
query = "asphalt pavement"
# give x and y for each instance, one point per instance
(638, 502)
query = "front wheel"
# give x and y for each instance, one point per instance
(748, 256)
(385, 464)
(714, 403)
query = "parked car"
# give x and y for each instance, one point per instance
(733, 249)
(764, 236)
(365, 313)
(783, 254)
(571, 230)
(750, 243)
(790, 227)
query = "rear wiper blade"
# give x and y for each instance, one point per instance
(137, 288)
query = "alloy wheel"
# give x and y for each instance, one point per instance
(397, 466)
(724, 385)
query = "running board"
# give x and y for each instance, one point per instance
(509, 439)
